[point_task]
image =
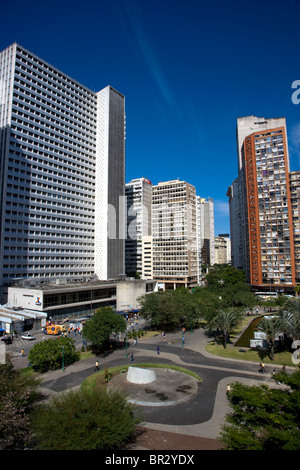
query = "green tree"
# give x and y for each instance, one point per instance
(297, 289)
(226, 321)
(290, 325)
(272, 327)
(292, 306)
(160, 310)
(264, 418)
(102, 324)
(85, 420)
(238, 295)
(221, 276)
(206, 303)
(17, 394)
(51, 353)
(169, 310)
(230, 285)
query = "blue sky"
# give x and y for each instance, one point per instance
(187, 68)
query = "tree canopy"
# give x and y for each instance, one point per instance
(169, 310)
(221, 276)
(226, 321)
(51, 353)
(229, 283)
(85, 420)
(17, 393)
(264, 418)
(226, 288)
(103, 323)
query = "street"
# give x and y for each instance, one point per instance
(18, 343)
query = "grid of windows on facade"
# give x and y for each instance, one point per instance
(79, 296)
(49, 206)
(295, 201)
(138, 193)
(273, 208)
(173, 229)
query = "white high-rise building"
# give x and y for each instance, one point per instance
(205, 232)
(139, 199)
(174, 234)
(222, 249)
(62, 170)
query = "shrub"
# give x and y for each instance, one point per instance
(18, 392)
(52, 353)
(90, 419)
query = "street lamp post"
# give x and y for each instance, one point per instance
(125, 339)
(63, 359)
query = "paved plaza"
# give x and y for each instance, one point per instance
(193, 412)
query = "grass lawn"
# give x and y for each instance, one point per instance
(98, 378)
(247, 354)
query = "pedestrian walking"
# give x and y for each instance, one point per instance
(228, 390)
(97, 365)
(131, 357)
(22, 352)
(157, 349)
(261, 367)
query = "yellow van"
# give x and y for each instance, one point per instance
(62, 328)
(53, 330)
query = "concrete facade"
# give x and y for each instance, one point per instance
(295, 202)
(130, 290)
(139, 209)
(64, 300)
(62, 172)
(261, 205)
(174, 234)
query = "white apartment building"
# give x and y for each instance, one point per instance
(137, 244)
(222, 249)
(147, 257)
(206, 230)
(174, 234)
(62, 166)
(205, 233)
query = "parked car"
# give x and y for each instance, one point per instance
(27, 336)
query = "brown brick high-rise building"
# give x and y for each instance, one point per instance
(265, 229)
